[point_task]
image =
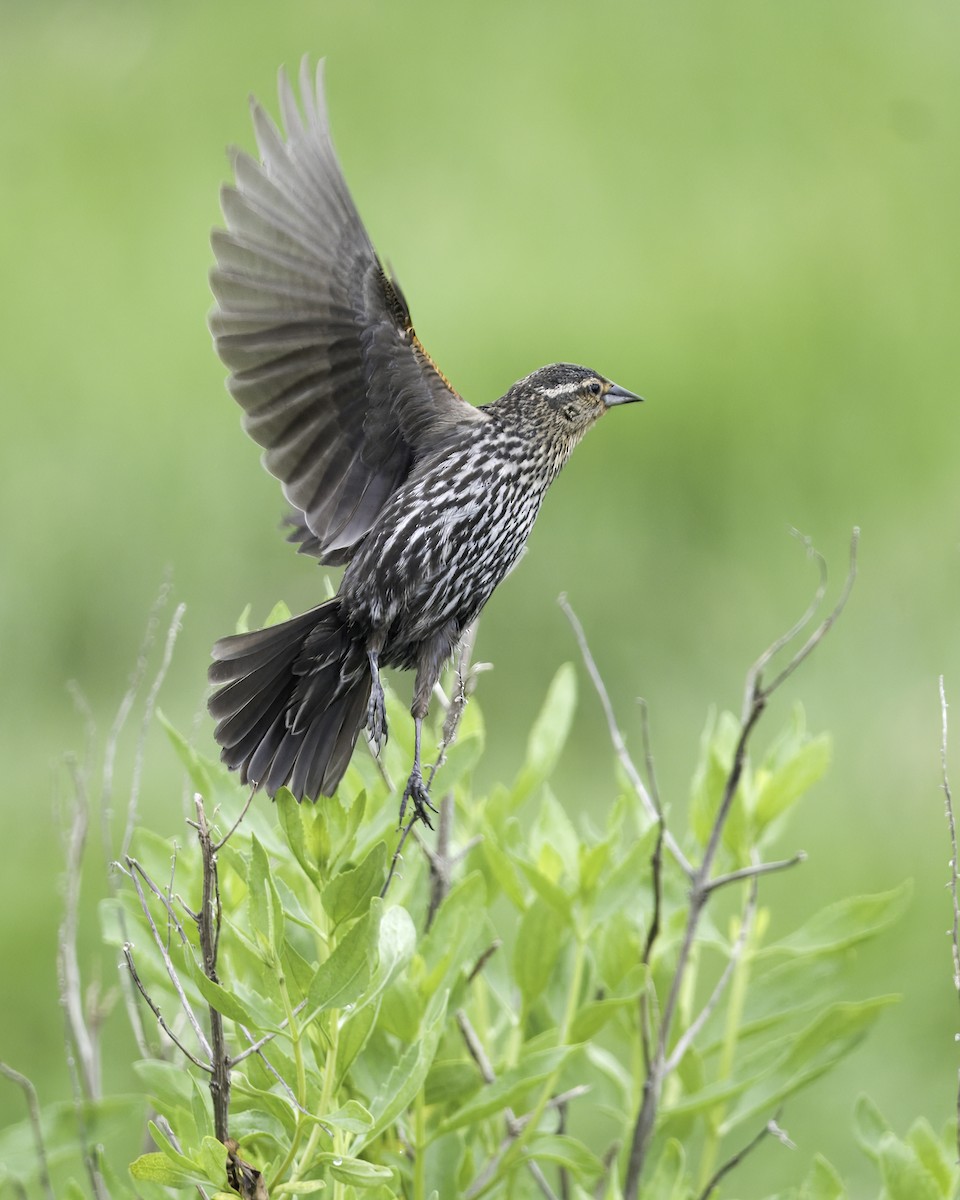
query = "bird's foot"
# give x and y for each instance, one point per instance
(417, 794)
(377, 716)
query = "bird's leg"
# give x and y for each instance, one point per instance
(416, 790)
(428, 672)
(376, 706)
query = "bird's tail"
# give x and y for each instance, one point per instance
(291, 701)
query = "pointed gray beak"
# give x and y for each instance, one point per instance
(618, 395)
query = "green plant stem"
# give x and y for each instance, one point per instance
(325, 1103)
(420, 1147)
(295, 1040)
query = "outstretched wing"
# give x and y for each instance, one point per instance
(322, 354)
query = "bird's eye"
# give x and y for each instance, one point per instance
(594, 388)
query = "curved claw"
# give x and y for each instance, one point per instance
(416, 792)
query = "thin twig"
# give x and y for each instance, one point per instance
(484, 959)
(398, 854)
(825, 625)
(771, 1129)
(33, 1109)
(218, 846)
(257, 1046)
(952, 826)
(155, 1009)
(71, 993)
(648, 762)
(123, 712)
(751, 872)
(616, 736)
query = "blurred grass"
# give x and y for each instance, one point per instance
(746, 212)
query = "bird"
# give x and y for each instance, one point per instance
(424, 498)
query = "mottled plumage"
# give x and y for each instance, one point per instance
(427, 499)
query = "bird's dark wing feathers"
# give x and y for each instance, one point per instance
(324, 361)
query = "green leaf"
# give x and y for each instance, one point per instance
(444, 1161)
(356, 1171)
(218, 997)
(843, 924)
(548, 735)
(455, 934)
(668, 1179)
(823, 1182)
(206, 777)
(628, 885)
(818, 1047)
(594, 1014)
(302, 1187)
(870, 1126)
(213, 1160)
(930, 1151)
(342, 978)
(352, 1118)
(717, 746)
(397, 941)
(554, 842)
(510, 1088)
(540, 938)
(904, 1175)
(501, 866)
(157, 1168)
(349, 892)
(406, 1079)
(266, 914)
(304, 846)
(782, 787)
(567, 1152)
(183, 1161)
(165, 1083)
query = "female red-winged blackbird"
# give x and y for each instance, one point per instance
(427, 499)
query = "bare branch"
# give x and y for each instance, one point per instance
(616, 736)
(208, 928)
(515, 1125)
(686, 1040)
(648, 762)
(398, 855)
(952, 826)
(33, 1109)
(137, 873)
(71, 990)
(148, 711)
(771, 1129)
(756, 697)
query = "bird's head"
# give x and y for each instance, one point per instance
(568, 398)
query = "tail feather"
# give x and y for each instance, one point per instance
(291, 701)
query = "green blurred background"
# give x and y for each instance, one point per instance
(745, 211)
